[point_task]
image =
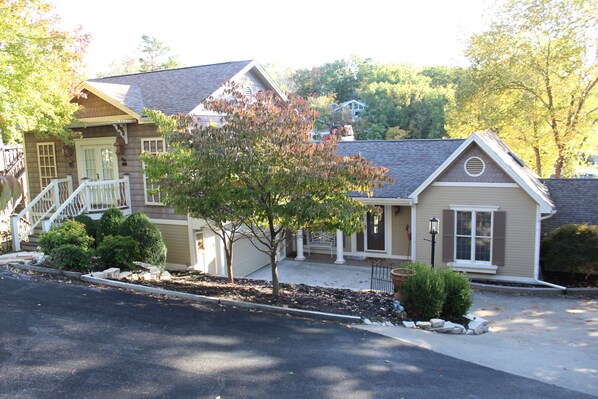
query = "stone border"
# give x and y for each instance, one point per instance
(46, 270)
(228, 302)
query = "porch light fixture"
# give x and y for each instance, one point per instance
(433, 230)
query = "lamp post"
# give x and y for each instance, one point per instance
(433, 230)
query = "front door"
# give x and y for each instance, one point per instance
(97, 161)
(375, 231)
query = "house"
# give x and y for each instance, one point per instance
(354, 107)
(490, 206)
(102, 169)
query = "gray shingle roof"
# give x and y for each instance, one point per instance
(171, 91)
(576, 201)
(409, 162)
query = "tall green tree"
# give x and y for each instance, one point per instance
(152, 55)
(272, 175)
(533, 80)
(40, 67)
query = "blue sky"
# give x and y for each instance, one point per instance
(295, 34)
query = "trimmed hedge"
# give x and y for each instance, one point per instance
(70, 232)
(151, 245)
(423, 293)
(458, 294)
(91, 226)
(118, 251)
(71, 257)
(572, 248)
(110, 223)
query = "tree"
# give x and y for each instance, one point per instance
(40, 68)
(533, 80)
(272, 175)
(198, 151)
(153, 55)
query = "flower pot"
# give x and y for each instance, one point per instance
(399, 276)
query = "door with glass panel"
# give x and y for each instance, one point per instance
(99, 164)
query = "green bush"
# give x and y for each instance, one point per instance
(458, 294)
(151, 245)
(423, 293)
(70, 232)
(571, 248)
(71, 257)
(118, 251)
(110, 223)
(91, 226)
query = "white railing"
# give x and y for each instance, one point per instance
(44, 204)
(58, 202)
(92, 196)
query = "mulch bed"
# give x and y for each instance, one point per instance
(373, 305)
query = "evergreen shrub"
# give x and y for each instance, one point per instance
(458, 295)
(70, 232)
(423, 293)
(118, 251)
(110, 223)
(151, 244)
(71, 257)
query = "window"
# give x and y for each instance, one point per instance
(473, 236)
(152, 146)
(46, 160)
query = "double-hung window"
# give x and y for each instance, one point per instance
(473, 236)
(152, 146)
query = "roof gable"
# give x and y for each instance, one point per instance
(456, 172)
(506, 160)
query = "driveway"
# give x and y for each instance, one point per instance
(61, 340)
(550, 339)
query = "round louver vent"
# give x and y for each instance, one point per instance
(248, 92)
(474, 166)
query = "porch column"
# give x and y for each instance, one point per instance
(56, 192)
(14, 224)
(128, 202)
(300, 245)
(339, 248)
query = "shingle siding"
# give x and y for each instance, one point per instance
(492, 172)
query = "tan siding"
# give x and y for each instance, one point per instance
(176, 238)
(400, 243)
(247, 259)
(520, 212)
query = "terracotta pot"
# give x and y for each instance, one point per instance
(399, 276)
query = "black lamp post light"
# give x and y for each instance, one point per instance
(433, 230)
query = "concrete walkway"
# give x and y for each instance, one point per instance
(549, 339)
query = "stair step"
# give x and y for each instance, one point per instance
(28, 246)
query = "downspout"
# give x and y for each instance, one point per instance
(539, 219)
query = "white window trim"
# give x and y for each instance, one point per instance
(39, 164)
(145, 193)
(474, 208)
(474, 264)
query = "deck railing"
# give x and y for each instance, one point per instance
(92, 196)
(58, 202)
(39, 208)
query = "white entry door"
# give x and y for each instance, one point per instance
(97, 161)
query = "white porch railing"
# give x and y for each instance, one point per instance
(58, 202)
(92, 196)
(39, 208)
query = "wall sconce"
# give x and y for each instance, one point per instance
(119, 145)
(67, 152)
(396, 210)
(123, 162)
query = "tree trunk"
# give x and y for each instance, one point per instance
(228, 249)
(274, 264)
(538, 159)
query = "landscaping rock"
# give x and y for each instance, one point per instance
(398, 307)
(99, 274)
(125, 275)
(450, 328)
(367, 322)
(113, 272)
(437, 323)
(423, 325)
(165, 276)
(409, 324)
(478, 326)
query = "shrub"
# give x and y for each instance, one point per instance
(70, 232)
(151, 245)
(110, 223)
(71, 257)
(118, 251)
(571, 248)
(423, 293)
(458, 294)
(91, 226)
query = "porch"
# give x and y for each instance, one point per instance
(60, 201)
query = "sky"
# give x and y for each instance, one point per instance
(295, 34)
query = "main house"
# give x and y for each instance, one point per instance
(490, 205)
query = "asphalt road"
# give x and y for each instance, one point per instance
(60, 340)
